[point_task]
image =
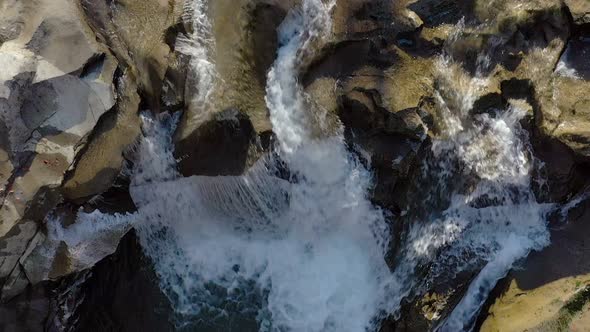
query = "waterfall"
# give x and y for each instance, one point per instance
(306, 252)
(200, 46)
(482, 165)
(301, 254)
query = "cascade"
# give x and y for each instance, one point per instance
(306, 252)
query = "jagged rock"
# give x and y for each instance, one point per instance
(120, 293)
(135, 32)
(58, 85)
(225, 145)
(246, 43)
(551, 290)
(103, 156)
(580, 10)
(51, 99)
(570, 115)
(27, 312)
(379, 89)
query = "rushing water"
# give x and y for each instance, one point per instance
(299, 254)
(496, 220)
(306, 252)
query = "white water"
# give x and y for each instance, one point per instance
(564, 68)
(495, 219)
(306, 253)
(200, 46)
(313, 244)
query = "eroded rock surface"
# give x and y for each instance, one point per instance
(69, 110)
(76, 75)
(51, 100)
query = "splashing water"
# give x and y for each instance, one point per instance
(200, 46)
(305, 252)
(482, 165)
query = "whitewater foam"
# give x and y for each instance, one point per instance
(305, 251)
(484, 163)
(312, 244)
(200, 46)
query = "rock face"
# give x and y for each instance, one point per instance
(231, 118)
(551, 292)
(70, 96)
(77, 74)
(580, 11)
(51, 101)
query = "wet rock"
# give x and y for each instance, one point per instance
(435, 13)
(226, 145)
(550, 290)
(571, 105)
(71, 104)
(69, 112)
(121, 293)
(378, 76)
(51, 99)
(136, 34)
(102, 157)
(245, 47)
(142, 37)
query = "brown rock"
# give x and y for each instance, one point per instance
(580, 10)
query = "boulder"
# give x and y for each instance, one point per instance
(70, 101)
(50, 100)
(551, 292)
(233, 73)
(102, 157)
(580, 10)
(135, 32)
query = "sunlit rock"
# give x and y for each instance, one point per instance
(51, 100)
(580, 10)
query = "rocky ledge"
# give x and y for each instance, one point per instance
(77, 74)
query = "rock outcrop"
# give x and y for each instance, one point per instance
(550, 292)
(226, 120)
(77, 74)
(580, 11)
(52, 98)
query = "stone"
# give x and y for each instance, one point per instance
(224, 145)
(59, 84)
(77, 74)
(245, 47)
(135, 32)
(551, 290)
(103, 157)
(580, 10)
(121, 292)
(51, 98)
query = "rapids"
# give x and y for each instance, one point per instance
(307, 251)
